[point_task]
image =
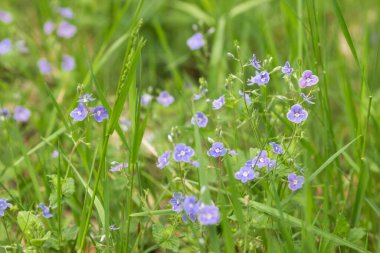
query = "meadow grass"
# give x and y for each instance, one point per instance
(125, 49)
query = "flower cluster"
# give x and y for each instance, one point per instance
(80, 113)
(20, 114)
(181, 153)
(193, 209)
(65, 29)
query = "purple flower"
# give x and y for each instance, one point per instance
(260, 161)
(116, 167)
(66, 30)
(86, 98)
(246, 97)
(232, 152)
(255, 63)
(191, 206)
(68, 63)
(79, 113)
(200, 95)
(308, 79)
(3, 206)
(55, 154)
(5, 46)
(276, 148)
(183, 153)
(271, 164)
(21, 114)
(163, 160)
(195, 42)
(146, 99)
(165, 98)
(246, 174)
(65, 12)
(100, 113)
(5, 17)
(307, 99)
(296, 114)
(208, 214)
(200, 118)
(45, 211)
(295, 182)
(176, 202)
(4, 114)
(44, 66)
(217, 150)
(260, 78)
(195, 164)
(287, 70)
(48, 27)
(218, 103)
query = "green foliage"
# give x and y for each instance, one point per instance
(165, 237)
(68, 189)
(33, 228)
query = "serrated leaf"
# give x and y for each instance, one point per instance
(164, 237)
(68, 189)
(30, 224)
(40, 241)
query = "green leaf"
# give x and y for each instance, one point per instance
(356, 234)
(31, 226)
(164, 237)
(68, 189)
(69, 234)
(40, 241)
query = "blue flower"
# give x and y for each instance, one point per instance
(66, 12)
(246, 174)
(100, 113)
(165, 98)
(5, 17)
(297, 114)
(146, 99)
(4, 114)
(276, 148)
(208, 214)
(261, 78)
(260, 161)
(114, 228)
(21, 114)
(232, 152)
(191, 206)
(217, 150)
(3, 206)
(287, 70)
(200, 118)
(218, 103)
(79, 113)
(163, 160)
(86, 98)
(45, 211)
(308, 79)
(44, 66)
(255, 63)
(48, 27)
(271, 164)
(5, 46)
(116, 167)
(68, 63)
(183, 153)
(195, 164)
(247, 98)
(195, 42)
(66, 30)
(295, 182)
(176, 202)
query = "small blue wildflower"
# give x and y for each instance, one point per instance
(200, 95)
(100, 113)
(55, 154)
(308, 79)
(260, 161)
(116, 167)
(255, 63)
(297, 114)
(3, 206)
(176, 202)
(195, 164)
(4, 114)
(45, 211)
(66, 30)
(246, 174)
(68, 63)
(44, 66)
(86, 98)
(195, 42)
(79, 113)
(183, 153)
(146, 99)
(49, 27)
(276, 148)
(5, 46)
(287, 70)
(271, 164)
(261, 78)
(191, 206)
(295, 182)
(218, 103)
(5, 17)
(65, 12)
(163, 160)
(232, 152)
(208, 214)
(165, 98)
(200, 118)
(307, 99)
(217, 150)
(21, 114)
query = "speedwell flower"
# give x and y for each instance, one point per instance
(297, 114)
(195, 42)
(163, 160)
(218, 103)
(100, 113)
(45, 211)
(246, 174)
(295, 182)
(165, 98)
(261, 78)
(308, 79)
(79, 113)
(200, 118)
(217, 150)
(183, 153)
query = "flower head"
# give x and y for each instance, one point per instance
(68, 63)
(5, 46)
(48, 27)
(297, 114)
(21, 114)
(295, 182)
(195, 164)
(246, 174)
(116, 167)
(183, 153)
(3, 206)
(255, 63)
(200, 119)
(44, 66)
(4, 114)
(5, 17)
(165, 98)
(45, 211)
(86, 98)
(195, 42)
(208, 214)
(100, 113)
(66, 30)
(146, 99)
(271, 164)
(287, 70)
(217, 150)
(163, 160)
(308, 79)
(276, 148)
(65, 12)
(218, 103)
(79, 113)
(191, 207)
(232, 152)
(261, 78)
(55, 154)
(260, 161)
(176, 202)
